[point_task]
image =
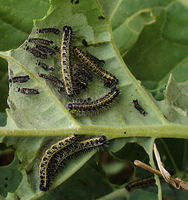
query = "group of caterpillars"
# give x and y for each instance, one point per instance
(74, 77)
(56, 156)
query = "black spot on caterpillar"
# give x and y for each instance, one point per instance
(19, 79)
(47, 167)
(66, 61)
(101, 17)
(40, 40)
(45, 49)
(57, 155)
(45, 66)
(54, 80)
(93, 64)
(84, 42)
(49, 30)
(87, 105)
(36, 53)
(139, 107)
(28, 91)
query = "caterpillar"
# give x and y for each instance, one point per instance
(80, 78)
(36, 53)
(28, 91)
(139, 107)
(45, 66)
(48, 159)
(93, 64)
(81, 73)
(77, 84)
(49, 30)
(45, 49)
(57, 155)
(19, 79)
(40, 40)
(87, 105)
(54, 80)
(141, 183)
(66, 61)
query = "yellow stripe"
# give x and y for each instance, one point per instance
(67, 83)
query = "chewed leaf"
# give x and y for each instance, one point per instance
(175, 105)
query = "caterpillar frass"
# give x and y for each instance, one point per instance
(66, 61)
(45, 66)
(93, 64)
(49, 30)
(57, 155)
(40, 41)
(89, 106)
(48, 161)
(28, 91)
(45, 49)
(36, 53)
(139, 107)
(19, 79)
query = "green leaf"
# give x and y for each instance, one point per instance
(159, 47)
(175, 105)
(50, 103)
